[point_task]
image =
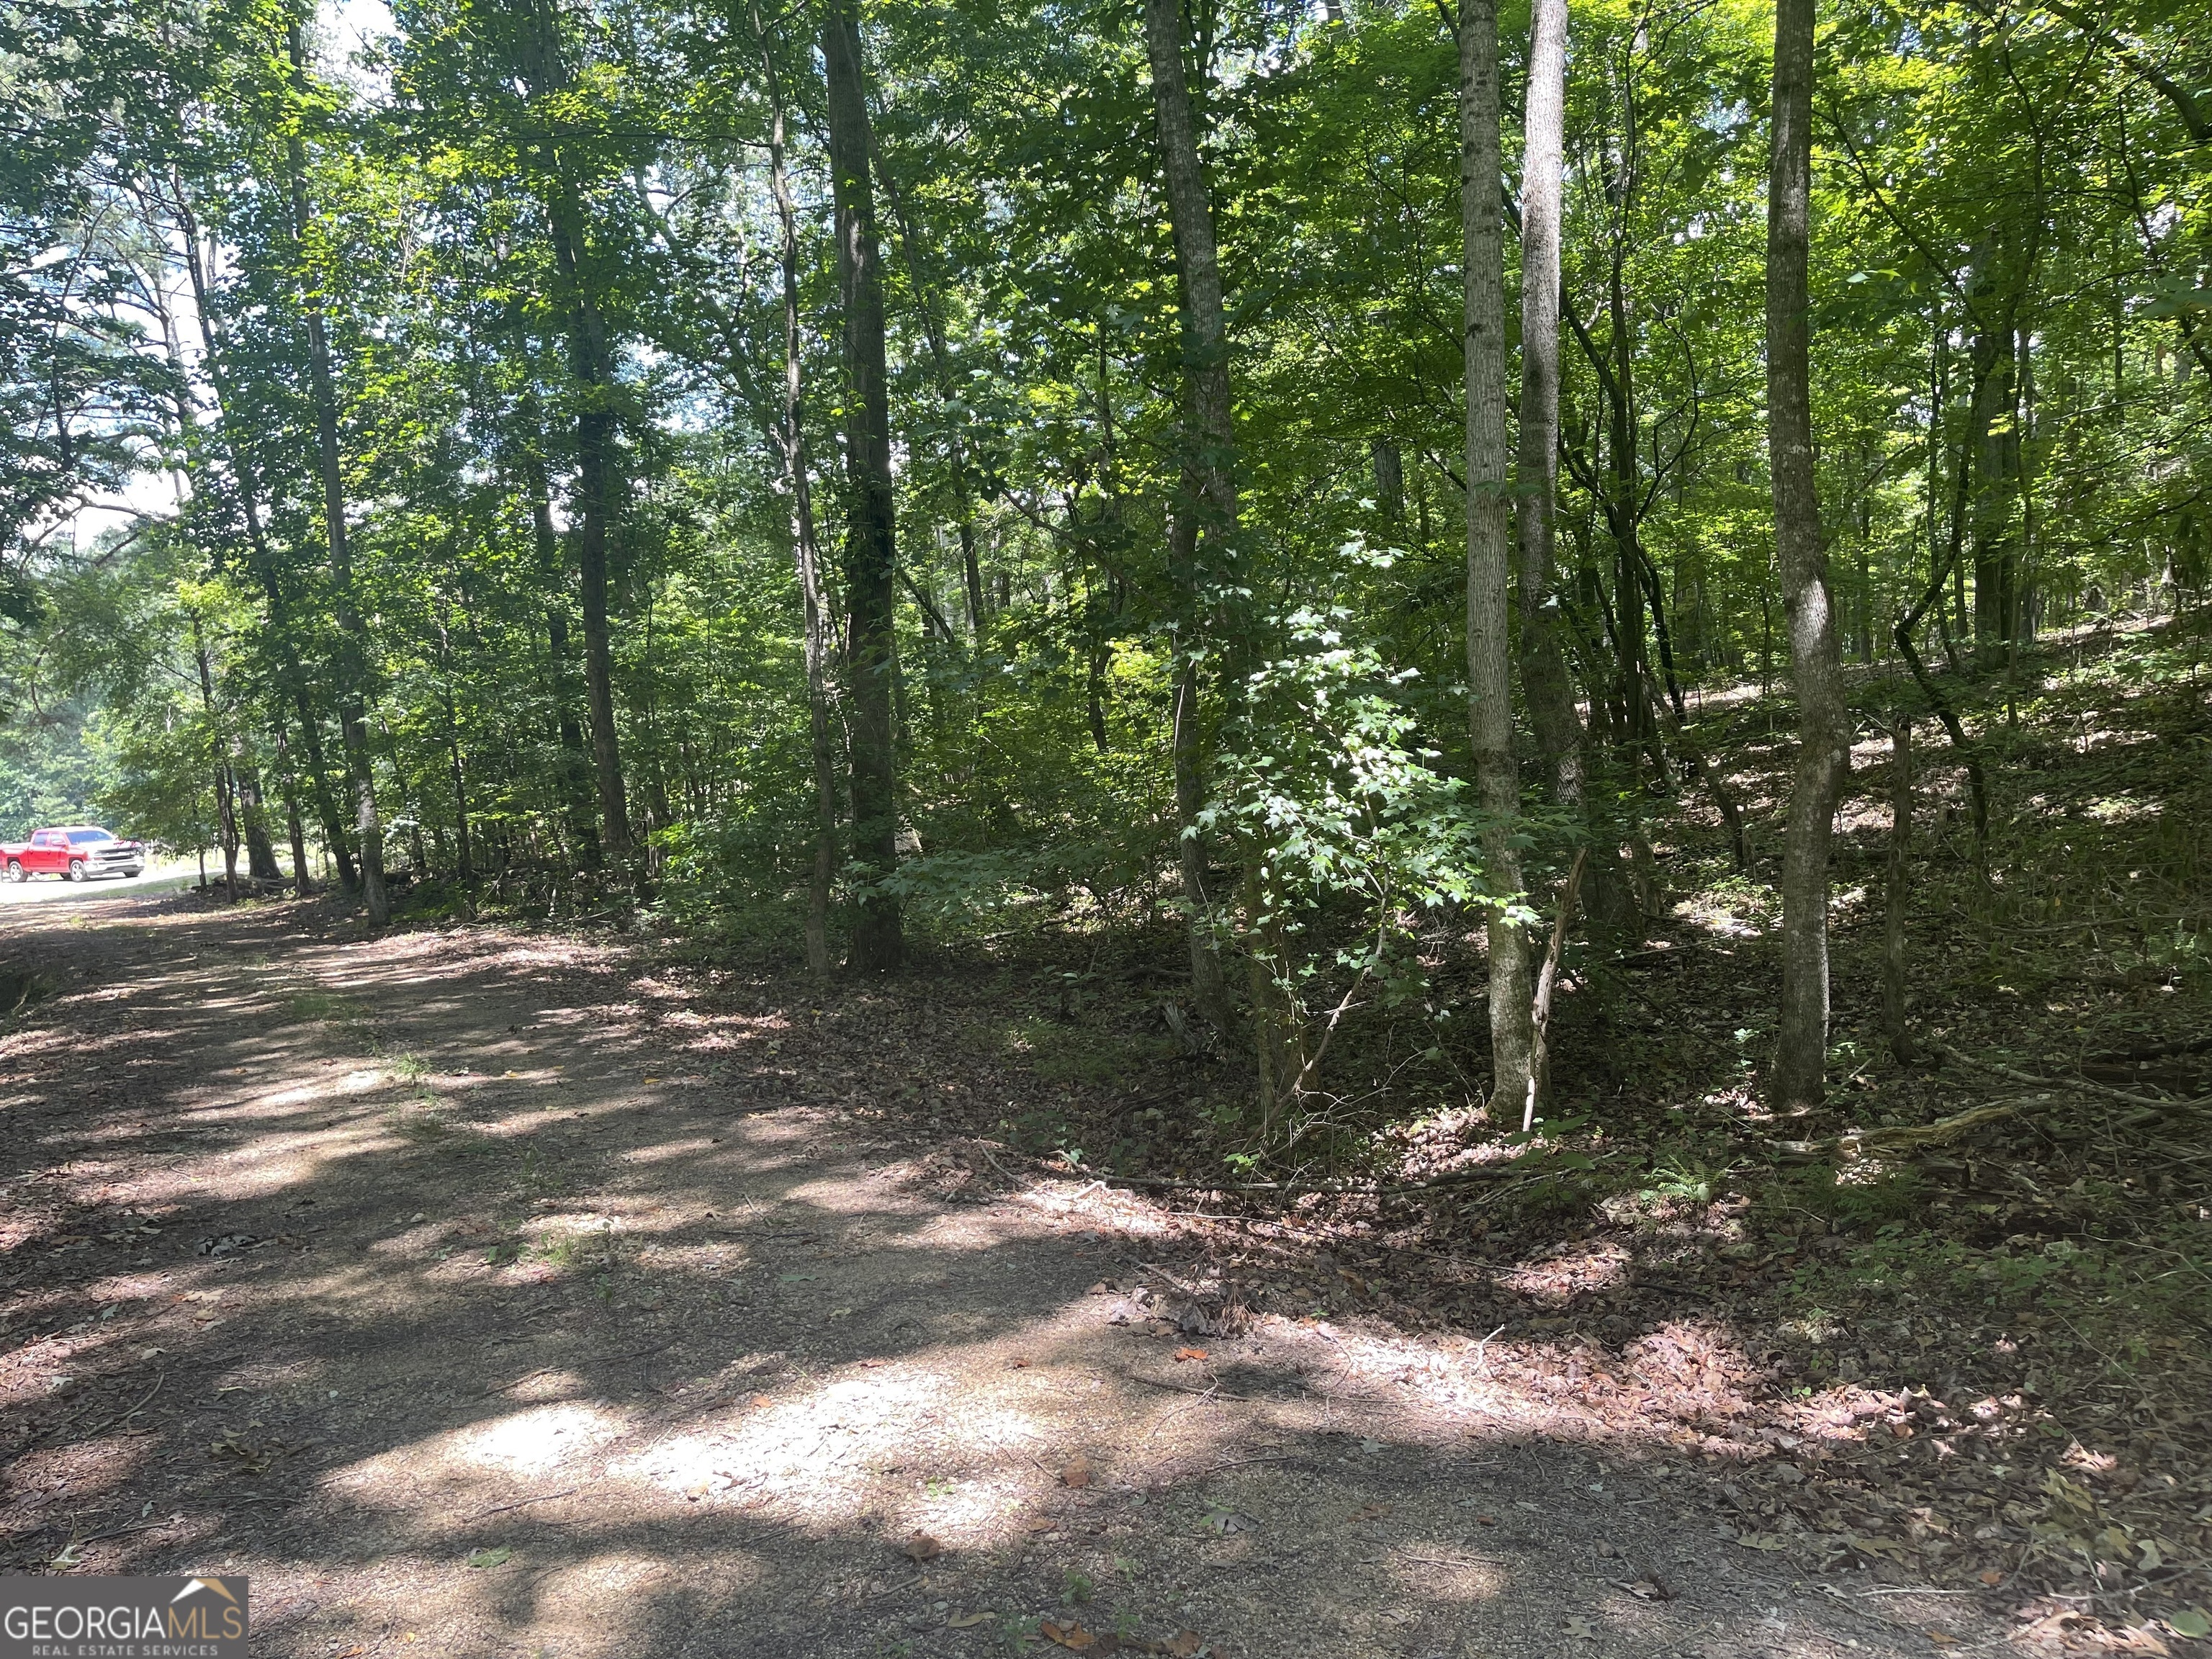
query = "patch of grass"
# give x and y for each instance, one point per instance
(1860, 1199)
(2126, 1302)
(326, 1006)
(536, 1180)
(424, 1127)
(22, 988)
(408, 1067)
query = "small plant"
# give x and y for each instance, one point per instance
(1682, 1178)
(324, 1005)
(536, 1181)
(425, 1128)
(409, 1067)
(1075, 1589)
(509, 1247)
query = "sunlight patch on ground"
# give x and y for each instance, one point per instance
(819, 1450)
(1443, 1570)
(1573, 1271)
(2122, 810)
(537, 1440)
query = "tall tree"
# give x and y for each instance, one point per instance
(1489, 550)
(1823, 735)
(598, 483)
(353, 657)
(246, 484)
(1204, 522)
(871, 509)
(1543, 664)
(791, 439)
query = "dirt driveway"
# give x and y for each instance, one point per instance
(476, 1293)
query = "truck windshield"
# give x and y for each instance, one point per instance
(85, 837)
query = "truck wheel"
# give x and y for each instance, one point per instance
(16, 869)
(77, 870)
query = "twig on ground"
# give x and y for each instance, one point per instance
(1205, 1393)
(1162, 1274)
(1438, 1561)
(2147, 1110)
(76, 1543)
(1909, 1138)
(521, 1503)
(146, 1399)
(1247, 1462)
(1339, 1188)
(1482, 1352)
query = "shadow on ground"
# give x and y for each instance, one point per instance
(475, 1297)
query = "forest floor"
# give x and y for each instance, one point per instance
(484, 1289)
(477, 1294)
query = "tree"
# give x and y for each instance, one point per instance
(1203, 525)
(1489, 554)
(599, 485)
(791, 437)
(871, 510)
(1823, 735)
(353, 661)
(1545, 684)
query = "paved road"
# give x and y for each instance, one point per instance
(52, 889)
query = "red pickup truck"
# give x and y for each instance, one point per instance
(78, 853)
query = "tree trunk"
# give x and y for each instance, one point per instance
(1489, 550)
(335, 839)
(302, 883)
(1560, 737)
(871, 544)
(1995, 438)
(1823, 736)
(598, 487)
(1388, 462)
(226, 817)
(1205, 515)
(574, 766)
(1893, 1011)
(353, 632)
(260, 850)
(791, 435)
(463, 860)
(1543, 662)
(595, 486)
(1623, 514)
